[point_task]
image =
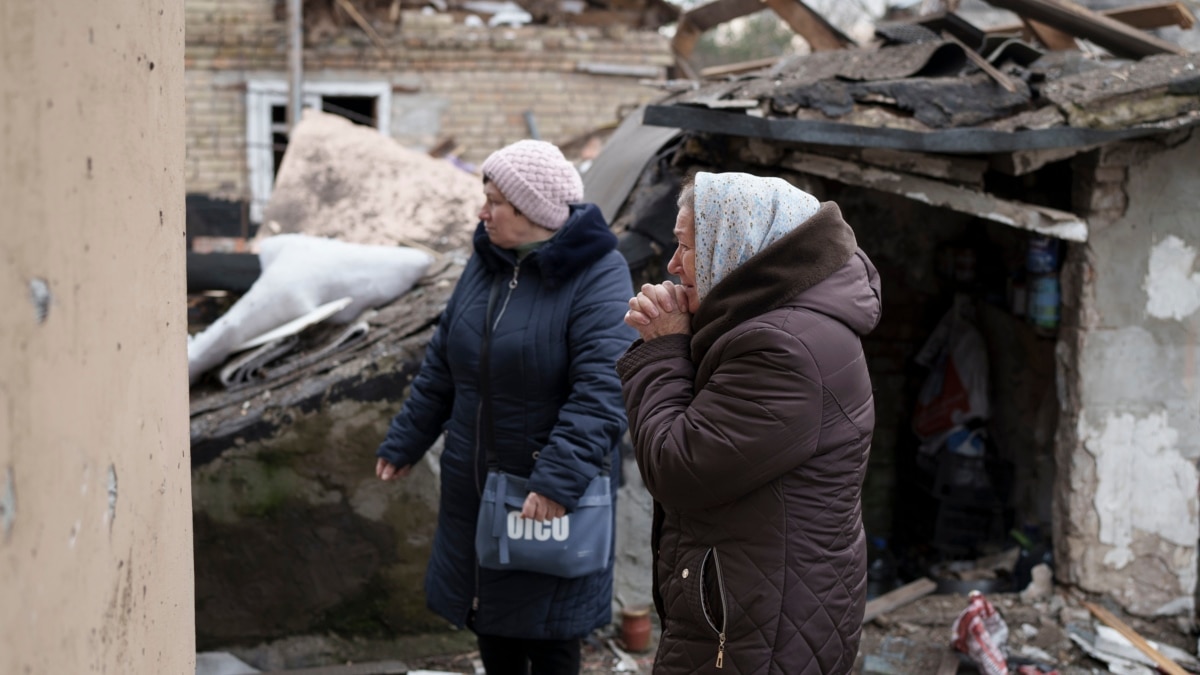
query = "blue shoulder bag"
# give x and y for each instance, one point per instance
(574, 545)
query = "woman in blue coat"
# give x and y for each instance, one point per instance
(558, 291)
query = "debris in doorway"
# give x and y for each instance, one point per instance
(956, 390)
(981, 633)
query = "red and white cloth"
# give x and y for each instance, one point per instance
(980, 632)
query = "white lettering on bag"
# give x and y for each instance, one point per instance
(519, 528)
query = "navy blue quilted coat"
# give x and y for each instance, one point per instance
(557, 411)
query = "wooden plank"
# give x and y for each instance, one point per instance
(1000, 78)
(1147, 17)
(1116, 37)
(1050, 36)
(738, 68)
(682, 46)
(964, 170)
(1167, 665)
(348, 7)
(1022, 162)
(713, 14)
(1144, 17)
(907, 593)
(1032, 217)
(818, 32)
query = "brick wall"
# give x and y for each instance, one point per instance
(446, 79)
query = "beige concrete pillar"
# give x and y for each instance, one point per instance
(95, 499)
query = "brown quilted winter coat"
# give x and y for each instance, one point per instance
(752, 435)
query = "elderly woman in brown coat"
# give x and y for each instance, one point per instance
(751, 413)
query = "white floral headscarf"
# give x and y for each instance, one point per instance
(738, 215)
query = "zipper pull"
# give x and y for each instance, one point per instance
(721, 652)
(512, 285)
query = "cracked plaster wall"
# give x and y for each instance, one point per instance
(95, 500)
(1132, 426)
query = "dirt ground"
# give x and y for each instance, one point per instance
(914, 639)
(910, 640)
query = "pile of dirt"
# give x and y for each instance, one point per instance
(350, 182)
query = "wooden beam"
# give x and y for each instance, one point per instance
(962, 170)
(1021, 162)
(715, 13)
(1167, 665)
(1040, 219)
(1145, 17)
(682, 46)
(1050, 36)
(738, 68)
(815, 30)
(348, 6)
(907, 593)
(974, 56)
(1116, 37)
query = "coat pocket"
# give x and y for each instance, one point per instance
(697, 607)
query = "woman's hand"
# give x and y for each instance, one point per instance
(541, 508)
(385, 470)
(658, 310)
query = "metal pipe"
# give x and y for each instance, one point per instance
(295, 62)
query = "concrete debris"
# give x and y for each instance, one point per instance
(351, 183)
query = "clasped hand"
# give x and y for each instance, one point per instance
(658, 310)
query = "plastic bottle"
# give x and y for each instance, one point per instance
(1044, 296)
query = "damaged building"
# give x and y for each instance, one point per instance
(1032, 211)
(1042, 198)
(463, 76)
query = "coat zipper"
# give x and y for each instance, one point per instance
(512, 286)
(724, 611)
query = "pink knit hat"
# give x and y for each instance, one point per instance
(536, 178)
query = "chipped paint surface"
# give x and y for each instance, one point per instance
(39, 295)
(110, 514)
(1144, 486)
(8, 504)
(1172, 283)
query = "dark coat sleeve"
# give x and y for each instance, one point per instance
(757, 417)
(592, 420)
(430, 399)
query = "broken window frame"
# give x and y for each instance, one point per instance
(263, 94)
